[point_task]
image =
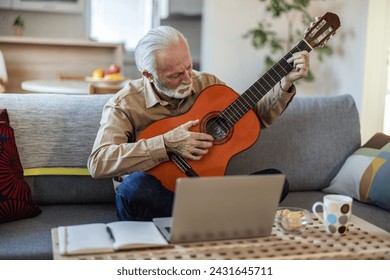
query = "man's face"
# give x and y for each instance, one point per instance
(174, 71)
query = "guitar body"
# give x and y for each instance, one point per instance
(210, 103)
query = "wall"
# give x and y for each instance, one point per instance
(226, 53)
(376, 68)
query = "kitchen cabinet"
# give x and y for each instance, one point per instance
(29, 58)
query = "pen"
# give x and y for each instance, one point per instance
(109, 231)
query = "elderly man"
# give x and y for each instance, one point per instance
(168, 87)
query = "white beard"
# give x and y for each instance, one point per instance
(174, 93)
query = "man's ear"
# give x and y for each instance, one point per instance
(148, 76)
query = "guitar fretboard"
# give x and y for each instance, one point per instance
(253, 94)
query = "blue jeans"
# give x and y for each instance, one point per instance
(142, 197)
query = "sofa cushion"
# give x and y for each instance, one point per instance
(31, 239)
(55, 134)
(55, 189)
(66, 130)
(365, 176)
(15, 194)
(309, 142)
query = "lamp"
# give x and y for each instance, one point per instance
(3, 73)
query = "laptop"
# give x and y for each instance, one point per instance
(222, 207)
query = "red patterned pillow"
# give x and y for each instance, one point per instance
(15, 194)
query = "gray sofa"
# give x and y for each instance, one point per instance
(309, 143)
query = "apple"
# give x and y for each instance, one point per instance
(113, 69)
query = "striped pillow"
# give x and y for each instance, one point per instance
(15, 194)
(365, 176)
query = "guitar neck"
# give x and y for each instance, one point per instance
(253, 94)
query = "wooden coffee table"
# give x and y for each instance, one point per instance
(363, 241)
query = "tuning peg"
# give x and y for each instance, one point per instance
(306, 30)
(316, 19)
(311, 24)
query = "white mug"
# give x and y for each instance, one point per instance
(337, 211)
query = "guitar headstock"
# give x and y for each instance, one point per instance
(322, 30)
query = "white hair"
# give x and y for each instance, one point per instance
(156, 39)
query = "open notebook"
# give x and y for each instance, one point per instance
(108, 238)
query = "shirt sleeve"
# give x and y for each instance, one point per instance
(273, 104)
(114, 155)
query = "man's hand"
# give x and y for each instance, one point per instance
(301, 65)
(188, 144)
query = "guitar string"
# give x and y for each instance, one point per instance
(284, 65)
(231, 114)
(183, 165)
(228, 115)
(254, 98)
(179, 162)
(176, 158)
(303, 44)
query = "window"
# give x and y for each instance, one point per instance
(120, 21)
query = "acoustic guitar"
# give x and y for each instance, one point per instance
(229, 117)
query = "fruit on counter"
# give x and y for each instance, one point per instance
(113, 73)
(114, 77)
(98, 73)
(113, 69)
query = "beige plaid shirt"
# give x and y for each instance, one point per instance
(116, 151)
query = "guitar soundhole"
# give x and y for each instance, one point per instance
(217, 127)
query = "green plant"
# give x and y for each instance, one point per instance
(264, 36)
(19, 22)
